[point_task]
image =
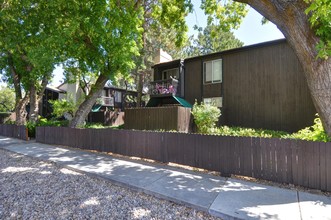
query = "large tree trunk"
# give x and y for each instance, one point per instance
(33, 115)
(290, 18)
(20, 110)
(20, 102)
(16, 79)
(35, 97)
(87, 105)
(140, 88)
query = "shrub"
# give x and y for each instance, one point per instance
(44, 122)
(94, 125)
(7, 99)
(315, 132)
(63, 107)
(250, 132)
(4, 117)
(100, 126)
(205, 117)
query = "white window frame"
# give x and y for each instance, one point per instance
(204, 72)
(164, 71)
(118, 96)
(217, 101)
(107, 101)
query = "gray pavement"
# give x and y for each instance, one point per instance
(227, 198)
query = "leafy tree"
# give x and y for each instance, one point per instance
(7, 99)
(107, 48)
(64, 107)
(28, 51)
(320, 17)
(160, 29)
(210, 40)
(104, 38)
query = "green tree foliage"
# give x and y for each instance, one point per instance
(29, 49)
(210, 40)
(163, 27)
(315, 132)
(105, 36)
(226, 14)
(320, 19)
(205, 117)
(7, 99)
(63, 107)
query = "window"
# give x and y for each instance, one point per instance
(118, 96)
(212, 71)
(217, 101)
(174, 73)
(108, 101)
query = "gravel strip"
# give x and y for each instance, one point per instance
(34, 189)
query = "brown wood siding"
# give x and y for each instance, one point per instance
(212, 90)
(158, 118)
(265, 88)
(193, 81)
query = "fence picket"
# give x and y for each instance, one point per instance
(285, 161)
(15, 131)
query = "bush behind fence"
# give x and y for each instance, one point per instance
(296, 162)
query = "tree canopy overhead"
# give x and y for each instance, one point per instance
(103, 37)
(211, 40)
(29, 49)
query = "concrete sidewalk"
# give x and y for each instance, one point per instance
(223, 197)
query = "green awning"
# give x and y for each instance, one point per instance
(153, 102)
(159, 101)
(96, 108)
(183, 102)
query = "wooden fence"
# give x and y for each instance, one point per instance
(20, 132)
(110, 118)
(296, 162)
(160, 118)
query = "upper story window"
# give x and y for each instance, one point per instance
(212, 71)
(104, 92)
(174, 73)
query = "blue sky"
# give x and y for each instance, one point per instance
(250, 32)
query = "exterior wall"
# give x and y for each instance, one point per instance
(162, 56)
(73, 90)
(193, 80)
(263, 86)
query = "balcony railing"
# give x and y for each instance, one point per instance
(163, 87)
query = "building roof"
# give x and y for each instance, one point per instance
(263, 44)
(55, 89)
